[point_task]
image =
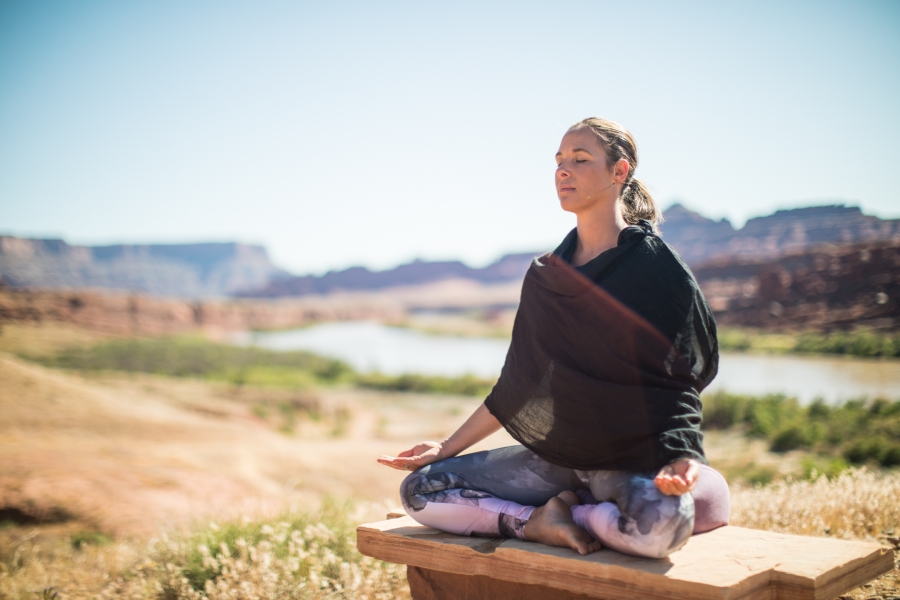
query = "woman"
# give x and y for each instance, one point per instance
(612, 344)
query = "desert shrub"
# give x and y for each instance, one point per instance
(197, 357)
(80, 539)
(761, 416)
(858, 342)
(739, 340)
(305, 555)
(466, 385)
(861, 342)
(858, 431)
(300, 555)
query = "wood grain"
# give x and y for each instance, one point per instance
(729, 563)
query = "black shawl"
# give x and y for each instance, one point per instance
(607, 360)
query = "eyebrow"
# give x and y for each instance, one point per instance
(576, 150)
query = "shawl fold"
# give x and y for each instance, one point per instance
(608, 359)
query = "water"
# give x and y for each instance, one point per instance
(369, 346)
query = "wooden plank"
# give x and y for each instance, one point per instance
(730, 563)
(427, 584)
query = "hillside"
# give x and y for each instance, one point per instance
(697, 239)
(700, 240)
(826, 287)
(182, 270)
(232, 269)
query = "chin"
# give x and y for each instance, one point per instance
(569, 205)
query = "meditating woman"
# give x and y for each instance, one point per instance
(612, 344)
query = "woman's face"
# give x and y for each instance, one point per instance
(582, 178)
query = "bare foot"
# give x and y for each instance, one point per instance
(570, 498)
(552, 524)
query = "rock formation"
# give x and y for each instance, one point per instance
(134, 314)
(510, 267)
(180, 270)
(831, 286)
(700, 240)
(696, 238)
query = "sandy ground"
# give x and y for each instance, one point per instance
(133, 453)
(130, 454)
(136, 453)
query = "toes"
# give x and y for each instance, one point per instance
(569, 497)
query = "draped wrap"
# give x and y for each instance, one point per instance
(607, 360)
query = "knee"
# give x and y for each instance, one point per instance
(712, 501)
(680, 525)
(662, 527)
(409, 497)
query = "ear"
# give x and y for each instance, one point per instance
(620, 169)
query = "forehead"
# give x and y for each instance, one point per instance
(581, 138)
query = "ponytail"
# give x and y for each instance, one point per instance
(638, 204)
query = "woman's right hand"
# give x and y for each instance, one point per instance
(423, 453)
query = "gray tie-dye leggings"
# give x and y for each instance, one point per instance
(493, 493)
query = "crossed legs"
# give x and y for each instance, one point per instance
(496, 492)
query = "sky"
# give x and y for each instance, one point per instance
(361, 133)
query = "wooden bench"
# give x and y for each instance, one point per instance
(725, 564)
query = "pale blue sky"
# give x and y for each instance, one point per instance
(344, 133)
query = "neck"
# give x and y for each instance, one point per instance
(598, 231)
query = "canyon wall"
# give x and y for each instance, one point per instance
(180, 270)
(136, 314)
(831, 286)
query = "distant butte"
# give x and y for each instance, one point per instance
(239, 270)
(697, 239)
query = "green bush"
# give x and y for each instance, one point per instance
(861, 342)
(197, 357)
(80, 539)
(857, 431)
(466, 385)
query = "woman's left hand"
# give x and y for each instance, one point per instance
(678, 478)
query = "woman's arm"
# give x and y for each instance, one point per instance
(478, 426)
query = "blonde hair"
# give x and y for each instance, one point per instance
(637, 203)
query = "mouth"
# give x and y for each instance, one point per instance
(565, 188)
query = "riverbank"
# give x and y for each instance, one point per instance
(112, 478)
(282, 388)
(862, 341)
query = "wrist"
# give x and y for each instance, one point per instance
(445, 450)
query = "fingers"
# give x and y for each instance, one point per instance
(672, 485)
(678, 478)
(401, 463)
(692, 474)
(665, 485)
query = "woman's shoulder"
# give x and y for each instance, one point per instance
(653, 269)
(654, 253)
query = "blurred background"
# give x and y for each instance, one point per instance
(242, 243)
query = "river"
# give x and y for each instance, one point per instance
(370, 346)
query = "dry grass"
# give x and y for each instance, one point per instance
(311, 555)
(856, 504)
(297, 555)
(44, 339)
